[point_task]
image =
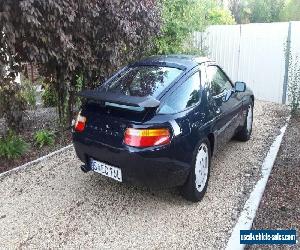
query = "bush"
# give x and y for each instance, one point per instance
(29, 93)
(183, 17)
(291, 11)
(218, 15)
(294, 84)
(180, 19)
(12, 146)
(68, 37)
(49, 97)
(44, 138)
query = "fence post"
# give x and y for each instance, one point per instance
(239, 54)
(287, 63)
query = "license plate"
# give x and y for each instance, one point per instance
(106, 170)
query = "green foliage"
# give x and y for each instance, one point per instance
(218, 15)
(29, 93)
(12, 146)
(44, 138)
(265, 11)
(294, 84)
(240, 10)
(49, 96)
(181, 18)
(256, 11)
(291, 11)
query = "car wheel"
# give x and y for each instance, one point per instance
(245, 132)
(196, 185)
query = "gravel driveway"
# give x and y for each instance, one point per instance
(54, 204)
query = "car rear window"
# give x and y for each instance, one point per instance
(143, 81)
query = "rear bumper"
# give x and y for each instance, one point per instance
(152, 168)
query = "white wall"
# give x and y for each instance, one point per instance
(253, 53)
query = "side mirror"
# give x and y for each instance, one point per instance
(240, 87)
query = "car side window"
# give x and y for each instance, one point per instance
(218, 81)
(185, 96)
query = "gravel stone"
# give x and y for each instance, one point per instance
(280, 204)
(53, 204)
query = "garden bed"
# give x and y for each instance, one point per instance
(34, 121)
(279, 208)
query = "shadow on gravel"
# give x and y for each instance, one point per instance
(103, 188)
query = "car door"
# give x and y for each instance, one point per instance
(225, 102)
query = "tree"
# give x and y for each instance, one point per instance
(256, 11)
(181, 18)
(265, 11)
(12, 103)
(218, 15)
(69, 39)
(178, 22)
(291, 12)
(240, 10)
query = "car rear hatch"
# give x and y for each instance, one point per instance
(109, 114)
(128, 98)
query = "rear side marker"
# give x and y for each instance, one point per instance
(143, 138)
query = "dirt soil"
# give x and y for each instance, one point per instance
(42, 118)
(280, 205)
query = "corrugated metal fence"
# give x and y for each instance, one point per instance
(253, 53)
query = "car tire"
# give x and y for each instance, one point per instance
(197, 182)
(244, 133)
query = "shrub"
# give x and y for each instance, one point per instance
(183, 17)
(219, 15)
(291, 11)
(68, 37)
(12, 146)
(49, 97)
(180, 19)
(44, 138)
(294, 84)
(29, 93)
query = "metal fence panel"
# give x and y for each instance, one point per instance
(253, 53)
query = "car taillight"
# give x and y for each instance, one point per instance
(80, 123)
(142, 138)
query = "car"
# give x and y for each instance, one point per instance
(159, 121)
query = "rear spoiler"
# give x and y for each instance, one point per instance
(135, 101)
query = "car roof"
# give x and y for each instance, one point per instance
(184, 62)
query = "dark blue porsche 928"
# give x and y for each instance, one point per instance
(158, 122)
